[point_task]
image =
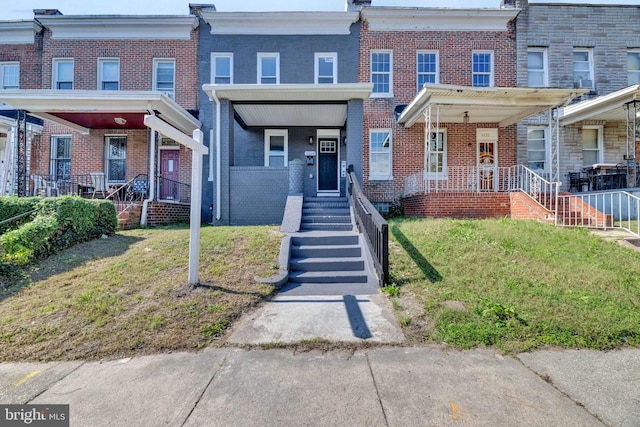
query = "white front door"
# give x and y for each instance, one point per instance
(487, 155)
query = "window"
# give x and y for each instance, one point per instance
(222, 68)
(116, 158)
(633, 66)
(10, 75)
(381, 73)
(108, 74)
(582, 68)
(592, 144)
(537, 149)
(482, 69)
(326, 68)
(62, 73)
(268, 68)
(60, 164)
(426, 68)
(437, 154)
(164, 76)
(380, 154)
(275, 148)
(537, 68)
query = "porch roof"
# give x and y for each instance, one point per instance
(606, 107)
(85, 110)
(291, 104)
(502, 105)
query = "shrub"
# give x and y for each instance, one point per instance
(31, 240)
(11, 206)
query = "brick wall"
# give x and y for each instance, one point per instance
(167, 213)
(458, 205)
(258, 195)
(30, 58)
(524, 207)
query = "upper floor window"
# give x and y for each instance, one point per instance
(537, 148)
(164, 76)
(60, 159)
(426, 68)
(276, 146)
(326, 67)
(482, 69)
(437, 153)
(380, 154)
(10, 75)
(222, 68)
(582, 68)
(382, 72)
(537, 75)
(108, 74)
(633, 66)
(62, 73)
(268, 68)
(592, 145)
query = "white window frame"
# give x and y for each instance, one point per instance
(491, 73)
(589, 52)
(600, 141)
(443, 174)
(636, 73)
(3, 67)
(545, 66)
(214, 72)
(388, 94)
(107, 157)
(101, 62)
(264, 55)
(268, 133)
(156, 62)
(316, 61)
(381, 176)
(546, 149)
(54, 160)
(436, 74)
(55, 78)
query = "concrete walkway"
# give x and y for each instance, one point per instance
(390, 386)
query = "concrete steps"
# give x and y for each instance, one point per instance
(326, 213)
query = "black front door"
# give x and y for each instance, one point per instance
(328, 165)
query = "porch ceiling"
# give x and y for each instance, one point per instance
(85, 110)
(606, 107)
(502, 105)
(291, 104)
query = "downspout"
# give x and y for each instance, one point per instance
(215, 99)
(152, 172)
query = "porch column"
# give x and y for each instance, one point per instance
(554, 140)
(225, 144)
(355, 129)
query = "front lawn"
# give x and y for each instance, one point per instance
(515, 285)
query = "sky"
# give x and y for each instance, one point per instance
(23, 9)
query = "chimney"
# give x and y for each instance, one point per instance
(195, 9)
(356, 5)
(49, 12)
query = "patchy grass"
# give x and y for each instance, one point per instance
(515, 285)
(127, 295)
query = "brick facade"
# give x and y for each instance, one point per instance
(458, 205)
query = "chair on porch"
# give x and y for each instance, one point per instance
(578, 180)
(97, 180)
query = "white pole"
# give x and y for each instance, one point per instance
(196, 203)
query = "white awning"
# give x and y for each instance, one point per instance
(502, 105)
(610, 107)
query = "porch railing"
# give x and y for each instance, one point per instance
(374, 228)
(170, 190)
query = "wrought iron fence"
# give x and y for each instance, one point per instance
(170, 190)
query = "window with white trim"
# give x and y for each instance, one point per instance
(382, 72)
(276, 147)
(436, 160)
(583, 68)
(326, 68)
(108, 74)
(482, 68)
(380, 154)
(10, 75)
(592, 145)
(60, 157)
(221, 68)
(164, 76)
(268, 68)
(537, 149)
(427, 67)
(537, 74)
(116, 155)
(633, 66)
(63, 73)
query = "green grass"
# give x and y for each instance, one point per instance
(521, 285)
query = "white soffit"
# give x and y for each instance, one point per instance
(280, 23)
(292, 114)
(437, 19)
(18, 32)
(113, 27)
(606, 107)
(290, 92)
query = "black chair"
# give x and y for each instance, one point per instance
(577, 180)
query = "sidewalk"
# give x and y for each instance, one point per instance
(374, 387)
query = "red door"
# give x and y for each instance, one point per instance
(170, 174)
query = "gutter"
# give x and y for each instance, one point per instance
(152, 181)
(215, 99)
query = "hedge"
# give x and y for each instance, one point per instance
(11, 206)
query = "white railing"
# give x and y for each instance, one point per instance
(471, 179)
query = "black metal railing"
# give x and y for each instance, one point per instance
(176, 191)
(372, 226)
